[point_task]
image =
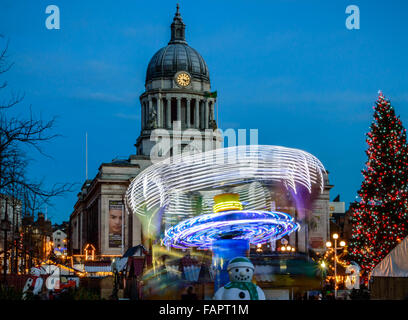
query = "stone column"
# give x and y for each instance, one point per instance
(159, 111)
(196, 116)
(202, 114)
(213, 109)
(207, 112)
(146, 112)
(149, 109)
(146, 107)
(168, 112)
(143, 114)
(188, 113)
(178, 109)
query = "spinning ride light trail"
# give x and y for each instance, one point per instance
(194, 199)
(173, 180)
(254, 226)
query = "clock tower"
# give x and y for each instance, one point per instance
(177, 106)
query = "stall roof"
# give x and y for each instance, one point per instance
(98, 266)
(395, 264)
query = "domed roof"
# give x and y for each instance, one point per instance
(174, 58)
(177, 56)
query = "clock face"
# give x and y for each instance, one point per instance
(183, 79)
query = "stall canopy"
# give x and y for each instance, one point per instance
(395, 264)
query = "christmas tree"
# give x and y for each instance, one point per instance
(380, 217)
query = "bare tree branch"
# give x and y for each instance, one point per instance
(16, 134)
(4, 64)
(12, 101)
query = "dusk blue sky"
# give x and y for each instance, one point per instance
(288, 68)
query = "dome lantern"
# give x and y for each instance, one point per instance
(177, 56)
(178, 28)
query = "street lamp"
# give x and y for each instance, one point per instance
(115, 271)
(288, 248)
(329, 244)
(323, 268)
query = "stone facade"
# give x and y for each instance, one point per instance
(58, 237)
(89, 223)
(319, 226)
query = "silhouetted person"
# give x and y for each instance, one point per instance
(190, 295)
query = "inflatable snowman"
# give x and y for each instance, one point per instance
(240, 287)
(34, 283)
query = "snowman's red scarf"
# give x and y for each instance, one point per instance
(247, 286)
